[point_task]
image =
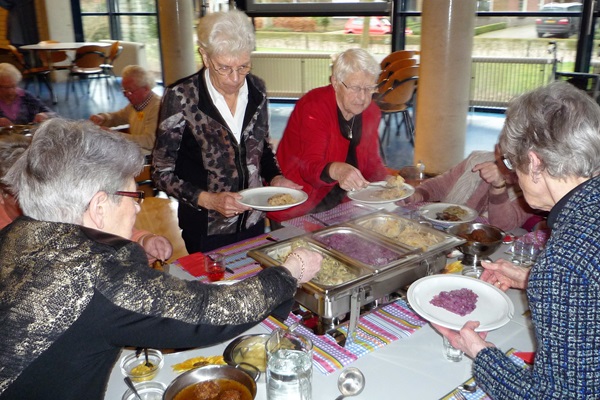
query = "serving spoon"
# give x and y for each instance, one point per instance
(350, 382)
(131, 386)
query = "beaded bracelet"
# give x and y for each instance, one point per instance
(301, 263)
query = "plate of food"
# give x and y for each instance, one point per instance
(447, 214)
(272, 198)
(452, 300)
(381, 192)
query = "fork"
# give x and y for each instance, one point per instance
(458, 395)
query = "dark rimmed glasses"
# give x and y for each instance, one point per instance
(507, 163)
(226, 71)
(357, 89)
(137, 196)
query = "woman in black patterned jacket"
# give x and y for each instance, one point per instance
(213, 138)
(551, 138)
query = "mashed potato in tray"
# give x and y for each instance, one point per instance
(333, 272)
(403, 232)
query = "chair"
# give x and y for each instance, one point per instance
(52, 59)
(397, 98)
(395, 56)
(113, 52)
(143, 181)
(88, 65)
(10, 54)
(393, 67)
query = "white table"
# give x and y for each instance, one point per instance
(409, 368)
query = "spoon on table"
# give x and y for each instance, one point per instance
(350, 382)
(131, 386)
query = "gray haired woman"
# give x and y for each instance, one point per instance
(550, 139)
(331, 142)
(74, 290)
(18, 106)
(213, 138)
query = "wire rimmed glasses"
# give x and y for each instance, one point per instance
(227, 70)
(358, 89)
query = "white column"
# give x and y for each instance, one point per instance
(444, 82)
(177, 39)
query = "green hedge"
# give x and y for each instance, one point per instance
(490, 28)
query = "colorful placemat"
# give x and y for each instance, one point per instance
(479, 394)
(375, 330)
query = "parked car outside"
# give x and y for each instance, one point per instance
(561, 26)
(378, 25)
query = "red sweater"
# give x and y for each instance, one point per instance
(312, 139)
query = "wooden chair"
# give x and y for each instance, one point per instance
(53, 59)
(395, 56)
(113, 53)
(10, 54)
(397, 99)
(391, 68)
(143, 181)
(88, 65)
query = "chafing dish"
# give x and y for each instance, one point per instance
(376, 278)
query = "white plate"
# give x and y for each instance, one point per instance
(429, 212)
(367, 195)
(258, 198)
(493, 309)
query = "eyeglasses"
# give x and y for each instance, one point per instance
(507, 163)
(138, 196)
(226, 71)
(129, 92)
(358, 89)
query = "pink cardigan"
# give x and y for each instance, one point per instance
(312, 139)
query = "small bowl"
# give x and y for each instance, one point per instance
(134, 366)
(147, 391)
(249, 349)
(475, 248)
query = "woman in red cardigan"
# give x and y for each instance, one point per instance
(331, 142)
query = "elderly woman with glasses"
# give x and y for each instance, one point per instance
(550, 138)
(213, 138)
(18, 106)
(75, 290)
(331, 142)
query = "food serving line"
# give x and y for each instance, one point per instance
(398, 352)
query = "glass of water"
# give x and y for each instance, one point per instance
(450, 352)
(289, 366)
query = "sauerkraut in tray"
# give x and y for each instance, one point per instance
(404, 232)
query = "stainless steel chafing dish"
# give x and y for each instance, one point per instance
(380, 257)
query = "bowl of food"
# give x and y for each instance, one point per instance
(147, 390)
(136, 367)
(481, 239)
(212, 382)
(247, 349)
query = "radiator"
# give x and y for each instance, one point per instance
(495, 81)
(291, 75)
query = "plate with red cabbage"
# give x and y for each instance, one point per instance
(452, 300)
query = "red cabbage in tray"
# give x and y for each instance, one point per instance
(461, 301)
(356, 247)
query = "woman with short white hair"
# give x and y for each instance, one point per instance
(18, 106)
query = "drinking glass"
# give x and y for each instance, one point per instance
(214, 265)
(289, 366)
(523, 253)
(451, 353)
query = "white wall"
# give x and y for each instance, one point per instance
(60, 20)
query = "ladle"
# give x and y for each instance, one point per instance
(350, 382)
(131, 386)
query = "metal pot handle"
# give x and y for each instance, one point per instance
(252, 371)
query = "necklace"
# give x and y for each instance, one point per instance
(350, 127)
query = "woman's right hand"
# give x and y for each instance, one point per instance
(303, 264)
(505, 275)
(348, 177)
(225, 203)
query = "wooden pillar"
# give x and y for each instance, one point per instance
(444, 82)
(176, 39)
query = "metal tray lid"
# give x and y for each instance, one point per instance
(335, 271)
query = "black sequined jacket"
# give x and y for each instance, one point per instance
(72, 297)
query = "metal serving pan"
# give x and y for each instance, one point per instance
(362, 248)
(403, 231)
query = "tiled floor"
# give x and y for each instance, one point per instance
(482, 128)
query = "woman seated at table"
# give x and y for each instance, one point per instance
(331, 142)
(550, 139)
(11, 148)
(74, 289)
(482, 183)
(213, 138)
(18, 106)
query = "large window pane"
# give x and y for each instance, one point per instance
(95, 28)
(143, 29)
(135, 6)
(93, 5)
